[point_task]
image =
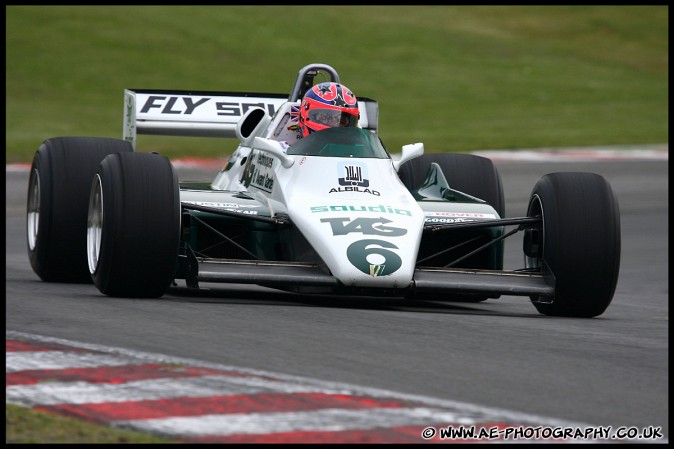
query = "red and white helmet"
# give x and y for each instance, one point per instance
(327, 105)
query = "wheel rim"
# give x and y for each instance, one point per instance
(33, 208)
(535, 209)
(94, 224)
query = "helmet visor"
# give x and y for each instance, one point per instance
(333, 118)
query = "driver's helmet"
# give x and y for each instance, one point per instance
(327, 105)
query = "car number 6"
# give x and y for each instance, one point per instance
(358, 253)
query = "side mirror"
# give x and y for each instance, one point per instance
(274, 148)
(409, 152)
(254, 122)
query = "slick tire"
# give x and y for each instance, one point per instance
(58, 198)
(581, 241)
(133, 230)
(475, 175)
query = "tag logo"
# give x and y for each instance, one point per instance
(366, 226)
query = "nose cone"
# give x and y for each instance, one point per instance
(361, 221)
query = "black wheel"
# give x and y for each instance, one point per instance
(475, 175)
(580, 238)
(133, 230)
(58, 198)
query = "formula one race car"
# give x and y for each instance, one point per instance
(332, 213)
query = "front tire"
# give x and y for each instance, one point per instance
(133, 229)
(580, 238)
(58, 197)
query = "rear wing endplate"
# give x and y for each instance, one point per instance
(205, 114)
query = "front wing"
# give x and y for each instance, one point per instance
(296, 275)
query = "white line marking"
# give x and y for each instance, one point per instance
(326, 420)
(41, 360)
(52, 393)
(658, 152)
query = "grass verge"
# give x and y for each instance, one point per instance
(27, 426)
(458, 78)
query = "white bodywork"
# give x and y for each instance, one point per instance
(355, 212)
(345, 223)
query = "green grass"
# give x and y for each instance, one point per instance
(27, 426)
(458, 78)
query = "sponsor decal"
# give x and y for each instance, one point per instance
(376, 270)
(459, 214)
(167, 105)
(353, 174)
(294, 116)
(354, 189)
(218, 204)
(352, 177)
(366, 226)
(346, 208)
(372, 257)
(232, 207)
(186, 105)
(264, 160)
(447, 220)
(232, 160)
(236, 109)
(258, 172)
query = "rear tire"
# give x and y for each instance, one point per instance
(580, 242)
(58, 198)
(475, 175)
(133, 231)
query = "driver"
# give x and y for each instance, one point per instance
(326, 105)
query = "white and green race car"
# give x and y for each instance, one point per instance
(333, 212)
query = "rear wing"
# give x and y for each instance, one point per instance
(206, 114)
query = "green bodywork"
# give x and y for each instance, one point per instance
(433, 196)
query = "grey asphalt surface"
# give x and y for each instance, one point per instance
(609, 371)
